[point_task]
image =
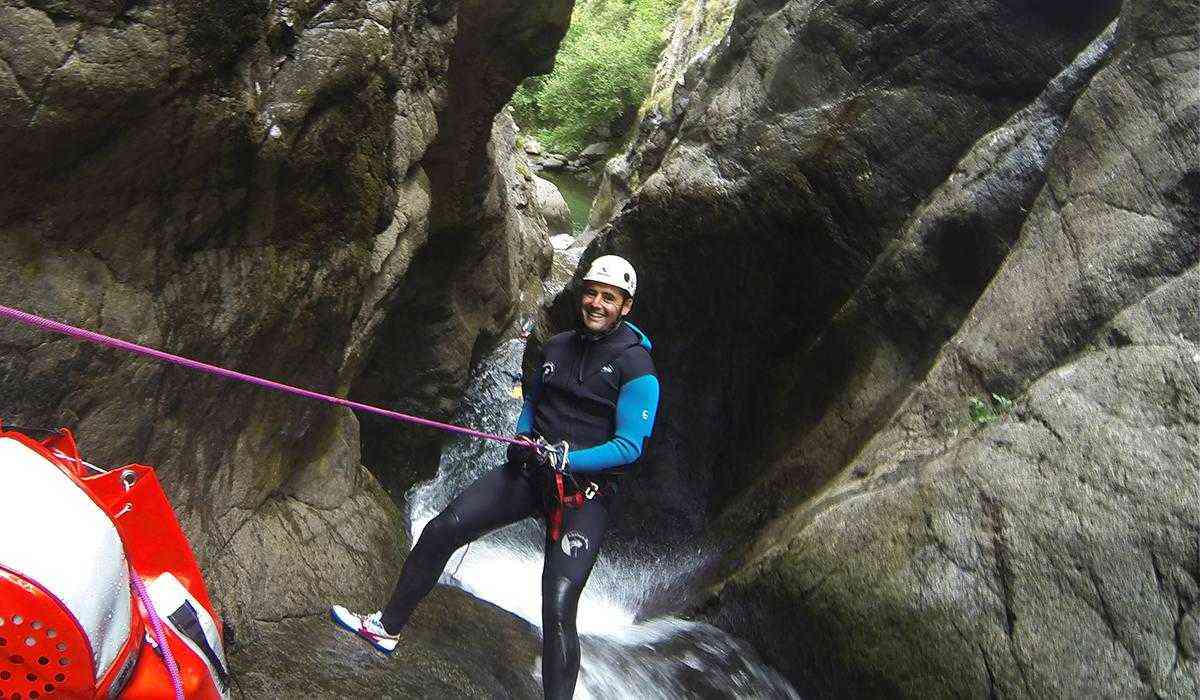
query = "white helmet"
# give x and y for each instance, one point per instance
(614, 270)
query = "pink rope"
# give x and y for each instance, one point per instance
(92, 337)
(159, 636)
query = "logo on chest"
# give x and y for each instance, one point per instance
(547, 370)
(607, 369)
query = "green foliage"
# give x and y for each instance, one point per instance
(980, 412)
(983, 413)
(601, 74)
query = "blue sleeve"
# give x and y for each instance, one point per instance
(637, 405)
(531, 389)
(525, 422)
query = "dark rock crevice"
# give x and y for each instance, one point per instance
(474, 192)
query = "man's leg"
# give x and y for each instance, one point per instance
(498, 498)
(568, 564)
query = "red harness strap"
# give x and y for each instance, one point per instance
(561, 501)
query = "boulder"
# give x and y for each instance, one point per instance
(551, 163)
(532, 146)
(595, 151)
(612, 191)
(453, 646)
(554, 208)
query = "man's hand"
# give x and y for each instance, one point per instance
(523, 453)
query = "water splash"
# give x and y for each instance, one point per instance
(669, 657)
(622, 655)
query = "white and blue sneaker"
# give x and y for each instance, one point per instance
(369, 627)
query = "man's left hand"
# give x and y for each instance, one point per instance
(523, 452)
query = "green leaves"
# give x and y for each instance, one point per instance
(980, 412)
(601, 74)
(983, 413)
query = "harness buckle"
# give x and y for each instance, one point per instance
(591, 490)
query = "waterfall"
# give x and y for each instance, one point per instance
(622, 654)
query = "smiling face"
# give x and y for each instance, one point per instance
(602, 306)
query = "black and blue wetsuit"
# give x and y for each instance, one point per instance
(600, 394)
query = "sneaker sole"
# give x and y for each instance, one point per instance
(340, 623)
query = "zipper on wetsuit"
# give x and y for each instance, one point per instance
(587, 348)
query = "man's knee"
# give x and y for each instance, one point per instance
(560, 600)
(444, 530)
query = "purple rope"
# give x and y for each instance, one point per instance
(156, 625)
(92, 337)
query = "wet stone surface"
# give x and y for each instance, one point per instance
(455, 646)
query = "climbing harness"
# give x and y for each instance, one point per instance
(562, 501)
(556, 462)
(557, 459)
(93, 337)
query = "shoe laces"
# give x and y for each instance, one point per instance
(375, 622)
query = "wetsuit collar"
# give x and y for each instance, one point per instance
(596, 337)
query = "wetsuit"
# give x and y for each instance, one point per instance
(600, 394)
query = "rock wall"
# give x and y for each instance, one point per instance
(869, 214)
(310, 192)
(487, 245)
(811, 136)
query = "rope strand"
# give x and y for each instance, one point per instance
(118, 344)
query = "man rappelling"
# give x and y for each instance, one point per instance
(588, 410)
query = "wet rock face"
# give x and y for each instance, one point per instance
(461, 291)
(252, 184)
(234, 185)
(870, 214)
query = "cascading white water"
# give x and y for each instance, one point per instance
(622, 656)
